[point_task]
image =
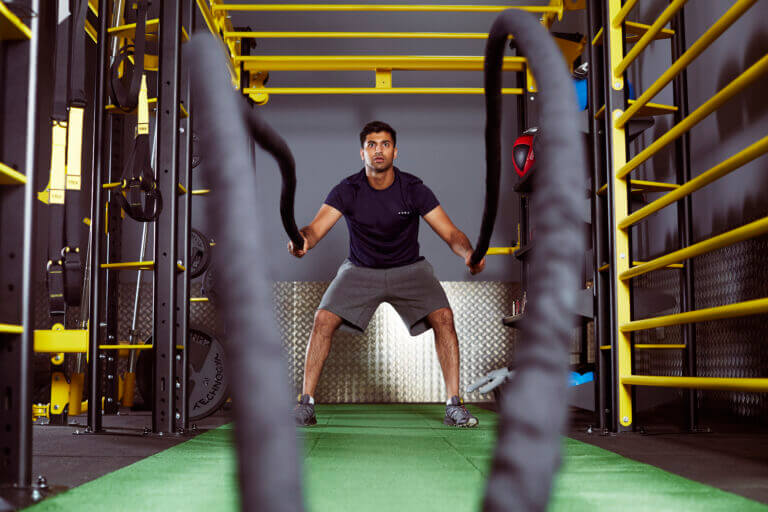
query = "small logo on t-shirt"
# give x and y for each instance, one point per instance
(404, 213)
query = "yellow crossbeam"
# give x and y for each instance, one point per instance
(623, 12)
(644, 41)
(201, 192)
(492, 251)
(659, 346)
(9, 176)
(713, 383)
(648, 110)
(701, 44)
(731, 164)
(729, 91)
(198, 299)
(130, 265)
(129, 30)
(217, 8)
(751, 230)
(747, 308)
(371, 62)
(11, 27)
(125, 346)
(11, 329)
(644, 186)
(357, 35)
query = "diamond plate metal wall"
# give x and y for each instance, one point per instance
(386, 364)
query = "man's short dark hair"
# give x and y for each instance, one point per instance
(376, 127)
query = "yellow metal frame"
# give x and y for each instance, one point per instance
(130, 265)
(713, 383)
(701, 44)
(634, 31)
(738, 309)
(9, 176)
(258, 92)
(11, 27)
(58, 339)
(224, 8)
(741, 158)
(372, 62)
(198, 299)
(11, 329)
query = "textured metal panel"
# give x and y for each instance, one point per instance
(386, 364)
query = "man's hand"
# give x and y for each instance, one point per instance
(474, 269)
(299, 253)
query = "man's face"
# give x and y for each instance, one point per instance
(378, 151)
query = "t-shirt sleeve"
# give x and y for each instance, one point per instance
(423, 198)
(336, 198)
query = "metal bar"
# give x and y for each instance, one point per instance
(372, 90)
(644, 186)
(618, 204)
(166, 227)
(685, 217)
(218, 8)
(94, 376)
(741, 158)
(198, 299)
(372, 62)
(14, 28)
(9, 176)
(356, 35)
(712, 383)
(729, 91)
(701, 44)
(644, 41)
(126, 347)
(130, 265)
(617, 20)
(747, 308)
(751, 230)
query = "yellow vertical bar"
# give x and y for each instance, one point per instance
(621, 236)
(74, 147)
(58, 163)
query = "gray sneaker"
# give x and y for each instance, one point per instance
(456, 415)
(304, 412)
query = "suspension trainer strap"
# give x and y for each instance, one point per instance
(57, 187)
(73, 266)
(127, 98)
(141, 199)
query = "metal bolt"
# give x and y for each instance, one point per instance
(102, 356)
(178, 385)
(181, 129)
(110, 377)
(617, 84)
(178, 416)
(109, 400)
(178, 357)
(625, 419)
(622, 255)
(55, 406)
(178, 262)
(532, 97)
(110, 359)
(160, 434)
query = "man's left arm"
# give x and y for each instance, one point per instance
(439, 221)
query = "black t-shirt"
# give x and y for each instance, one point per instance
(383, 224)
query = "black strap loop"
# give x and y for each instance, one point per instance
(142, 201)
(127, 98)
(72, 276)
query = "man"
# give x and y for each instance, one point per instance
(382, 205)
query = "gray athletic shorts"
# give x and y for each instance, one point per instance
(413, 290)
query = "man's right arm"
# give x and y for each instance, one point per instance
(325, 219)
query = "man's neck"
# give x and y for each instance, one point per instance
(380, 180)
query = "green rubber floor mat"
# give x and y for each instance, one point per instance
(370, 458)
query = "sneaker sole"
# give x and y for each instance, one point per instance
(312, 421)
(472, 422)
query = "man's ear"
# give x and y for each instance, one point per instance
(395, 154)
(362, 154)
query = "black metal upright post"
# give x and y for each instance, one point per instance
(165, 411)
(182, 396)
(94, 325)
(600, 284)
(17, 265)
(685, 216)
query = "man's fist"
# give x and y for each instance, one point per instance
(474, 269)
(298, 252)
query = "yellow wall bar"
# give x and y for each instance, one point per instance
(605, 347)
(739, 159)
(11, 329)
(200, 192)
(125, 346)
(644, 41)
(747, 308)
(380, 8)
(373, 90)
(131, 265)
(701, 44)
(730, 90)
(751, 230)
(501, 250)
(622, 14)
(372, 62)
(198, 299)
(714, 383)
(11, 27)
(658, 346)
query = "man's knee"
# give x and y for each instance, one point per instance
(441, 319)
(326, 322)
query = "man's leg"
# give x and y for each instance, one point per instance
(447, 346)
(318, 349)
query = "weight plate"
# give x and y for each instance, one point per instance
(208, 375)
(195, 154)
(209, 285)
(200, 253)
